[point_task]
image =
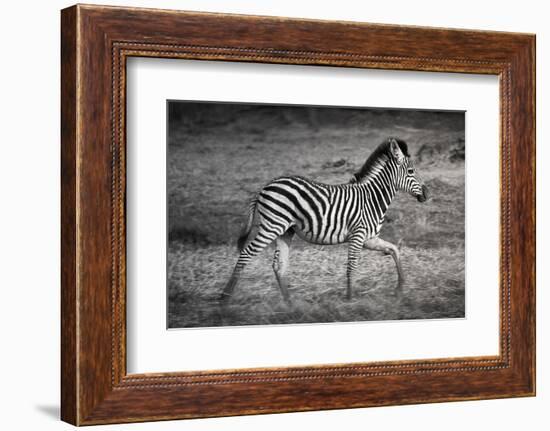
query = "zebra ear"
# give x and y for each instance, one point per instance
(396, 151)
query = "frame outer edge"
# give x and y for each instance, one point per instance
(532, 100)
(531, 83)
(533, 54)
(524, 203)
(87, 399)
(69, 201)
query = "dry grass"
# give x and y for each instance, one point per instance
(318, 276)
(212, 175)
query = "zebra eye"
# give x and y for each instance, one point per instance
(410, 171)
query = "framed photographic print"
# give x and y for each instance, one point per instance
(265, 215)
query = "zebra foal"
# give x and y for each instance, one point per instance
(320, 213)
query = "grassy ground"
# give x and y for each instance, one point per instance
(218, 160)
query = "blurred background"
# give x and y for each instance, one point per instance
(221, 154)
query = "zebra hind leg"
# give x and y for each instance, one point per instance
(280, 262)
(262, 239)
(354, 251)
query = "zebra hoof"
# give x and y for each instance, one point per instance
(288, 302)
(224, 299)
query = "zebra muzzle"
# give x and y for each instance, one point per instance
(424, 196)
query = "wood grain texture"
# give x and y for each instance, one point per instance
(96, 41)
(69, 396)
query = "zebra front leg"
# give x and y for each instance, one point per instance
(280, 262)
(356, 242)
(386, 247)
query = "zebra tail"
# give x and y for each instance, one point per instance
(248, 226)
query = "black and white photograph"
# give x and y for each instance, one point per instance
(290, 214)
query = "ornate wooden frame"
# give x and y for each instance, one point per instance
(95, 43)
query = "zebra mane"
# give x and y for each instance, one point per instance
(378, 158)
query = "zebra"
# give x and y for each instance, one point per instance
(320, 213)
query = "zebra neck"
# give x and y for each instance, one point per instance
(380, 191)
